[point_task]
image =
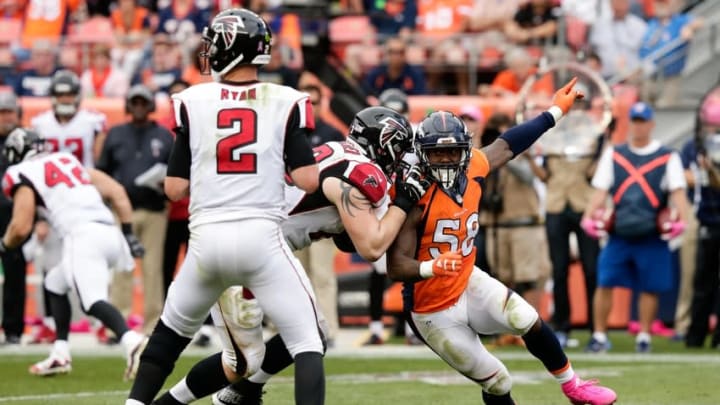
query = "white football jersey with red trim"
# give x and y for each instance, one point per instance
(76, 136)
(62, 188)
(237, 138)
(312, 216)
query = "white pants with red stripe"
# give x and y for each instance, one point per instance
(254, 254)
(89, 252)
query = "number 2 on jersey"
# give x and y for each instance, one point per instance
(55, 175)
(229, 161)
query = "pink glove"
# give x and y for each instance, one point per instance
(593, 228)
(673, 229)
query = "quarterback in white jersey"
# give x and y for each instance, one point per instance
(237, 139)
(351, 206)
(71, 197)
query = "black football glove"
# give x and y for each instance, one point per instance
(136, 248)
(409, 188)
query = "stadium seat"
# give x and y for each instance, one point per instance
(94, 30)
(416, 54)
(10, 31)
(349, 29)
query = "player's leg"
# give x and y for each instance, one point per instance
(613, 271)
(496, 309)
(249, 391)
(448, 334)
(655, 275)
(238, 319)
(188, 302)
(557, 232)
(88, 254)
(59, 360)
(376, 289)
(589, 249)
(285, 295)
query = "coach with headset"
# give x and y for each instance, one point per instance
(136, 155)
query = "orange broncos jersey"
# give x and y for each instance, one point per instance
(441, 18)
(449, 226)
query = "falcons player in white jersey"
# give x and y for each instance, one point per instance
(66, 128)
(237, 139)
(71, 198)
(352, 207)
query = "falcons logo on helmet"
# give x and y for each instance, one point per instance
(389, 130)
(228, 26)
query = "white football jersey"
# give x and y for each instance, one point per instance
(312, 216)
(63, 190)
(76, 136)
(237, 138)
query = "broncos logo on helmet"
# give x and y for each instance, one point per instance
(443, 131)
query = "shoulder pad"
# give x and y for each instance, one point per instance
(368, 179)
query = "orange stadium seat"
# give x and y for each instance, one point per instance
(416, 55)
(94, 30)
(10, 31)
(352, 28)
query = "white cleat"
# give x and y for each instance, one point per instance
(55, 364)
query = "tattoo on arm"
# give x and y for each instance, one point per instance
(352, 200)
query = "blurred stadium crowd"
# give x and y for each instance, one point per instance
(482, 48)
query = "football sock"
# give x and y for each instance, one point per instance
(564, 375)
(168, 399)
(490, 399)
(248, 389)
(109, 316)
(260, 377)
(206, 376)
(600, 336)
(543, 344)
(309, 379)
(377, 328)
(48, 309)
(643, 337)
(377, 291)
(61, 347)
(60, 308)
(277, 358)
(157, 362)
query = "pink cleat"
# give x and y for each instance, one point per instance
(588, 392)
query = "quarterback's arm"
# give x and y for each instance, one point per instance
(299, 158)
(517, 139)
(370, 236)
(112, 190)
(177, 182)
(401, 263)
(23, 217)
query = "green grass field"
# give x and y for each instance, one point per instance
(671, 375)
